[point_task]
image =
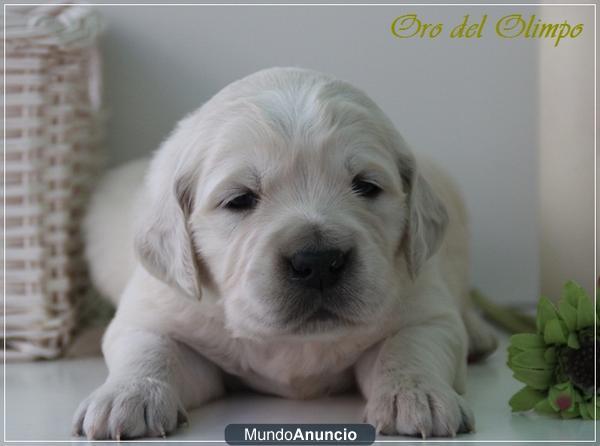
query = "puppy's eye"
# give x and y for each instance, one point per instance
(243, 202)
(365, 188)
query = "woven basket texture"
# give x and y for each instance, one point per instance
(53, 121)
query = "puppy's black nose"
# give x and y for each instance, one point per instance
(318, 269)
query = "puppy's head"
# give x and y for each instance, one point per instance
(293, 197)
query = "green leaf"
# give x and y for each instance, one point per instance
(572, 341)
(585, 313)
(544, 407)
(555, 332)
(587, 410)
(576, 296)
(550, 355)
(583, 411)
(590, 409)
(538, 379)
(531, 359)
(513, 351)
(573, 412)
(572, 292)
(525, 399)
(566, 385)
(578, 397)
(545, 313)
(568, 313)
(525, 341)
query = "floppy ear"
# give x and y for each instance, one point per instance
(163, 243)
(426, 221)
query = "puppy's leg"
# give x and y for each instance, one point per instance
(482, 339)
(412, 380)
(152, 380)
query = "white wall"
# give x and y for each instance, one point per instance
(472, 105)
(567, 155)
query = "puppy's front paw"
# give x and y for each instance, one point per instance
(414, 406)
(142, 407)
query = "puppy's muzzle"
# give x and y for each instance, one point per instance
(318, 269)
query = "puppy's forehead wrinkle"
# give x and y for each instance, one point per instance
(304, 110)
(288, 115)
(298, 134)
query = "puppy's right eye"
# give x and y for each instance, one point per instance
(243, 202)
(365, 188)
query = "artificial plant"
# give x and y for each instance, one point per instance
(556, 363)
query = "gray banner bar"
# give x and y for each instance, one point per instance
(304, 434)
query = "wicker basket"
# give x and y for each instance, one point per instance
(52, 135)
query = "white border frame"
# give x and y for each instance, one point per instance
(282, 5)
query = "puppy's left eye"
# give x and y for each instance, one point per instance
(365, 188)
(243, 202)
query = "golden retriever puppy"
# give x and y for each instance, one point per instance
(285, 235)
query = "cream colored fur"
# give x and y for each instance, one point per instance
(205, 296)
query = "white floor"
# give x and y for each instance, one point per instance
(41, 397)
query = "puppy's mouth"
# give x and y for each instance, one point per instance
(319, 320)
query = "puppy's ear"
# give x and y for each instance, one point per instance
(426, 221)
(163, 242)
